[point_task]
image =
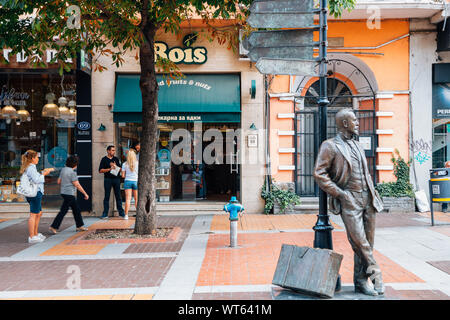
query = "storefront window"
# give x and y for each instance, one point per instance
(186, 181)
(441, 142)
(52, 137)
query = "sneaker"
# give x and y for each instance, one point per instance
(40, 235)
(82, 229)
(104, 217)
(35, 239)
(53, 230)
(125, 217)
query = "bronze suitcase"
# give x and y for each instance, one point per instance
(308, 270)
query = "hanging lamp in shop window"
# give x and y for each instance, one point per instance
(8, 111)
(22, 114)
(50, 110)
(72, 110)
(64, 112)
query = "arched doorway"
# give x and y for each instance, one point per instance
(347, 87)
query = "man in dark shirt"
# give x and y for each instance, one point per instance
(108, 166)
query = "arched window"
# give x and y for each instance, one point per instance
(338, 93)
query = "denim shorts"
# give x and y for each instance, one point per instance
(127, 184)
(35, 203)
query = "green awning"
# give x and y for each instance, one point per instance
(212, 97)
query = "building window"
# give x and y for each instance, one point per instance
(53, 138)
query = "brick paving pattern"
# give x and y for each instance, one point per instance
(14, 238)
(441, 229)
(439, 216)
(267, 222)
(421, 295)
(255, 260)
(441, 265)
(184, 223)
(95, 297)
(233, 296)
(108, 273)
(389, 220)
(252, 263)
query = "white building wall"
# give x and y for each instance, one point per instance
(422, 56)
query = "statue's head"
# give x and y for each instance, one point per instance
(347, 122)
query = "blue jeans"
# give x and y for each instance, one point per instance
(115, 184)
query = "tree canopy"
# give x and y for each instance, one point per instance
(112, 27)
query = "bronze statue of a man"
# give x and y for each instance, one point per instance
(341, 171)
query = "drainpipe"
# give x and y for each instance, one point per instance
(267, 111)
(371, 48)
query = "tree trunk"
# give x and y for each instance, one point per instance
(146, 206)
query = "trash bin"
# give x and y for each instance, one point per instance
(439, 187)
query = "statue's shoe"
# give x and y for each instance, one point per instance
(378, 284)
(365, 289)
(379, 288)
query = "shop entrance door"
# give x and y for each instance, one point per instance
(222, 177)
(215, 179)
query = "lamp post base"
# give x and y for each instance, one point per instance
(323, 238)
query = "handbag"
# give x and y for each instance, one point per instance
(26, 187)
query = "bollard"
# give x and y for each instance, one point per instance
(233, 208)
(233, 233)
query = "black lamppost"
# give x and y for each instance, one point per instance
(322, 230)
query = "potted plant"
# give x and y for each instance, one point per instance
(278, 200)
(398, 196)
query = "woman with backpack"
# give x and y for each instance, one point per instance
(29, 161)
(130, 173)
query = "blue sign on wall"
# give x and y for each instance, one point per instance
(84, 125)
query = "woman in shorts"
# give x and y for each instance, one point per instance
(130, 174)
(29, 161)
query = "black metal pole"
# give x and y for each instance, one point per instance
(323, 227)
(431, 201)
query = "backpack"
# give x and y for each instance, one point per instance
(27, 188)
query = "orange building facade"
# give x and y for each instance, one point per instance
(368, 71)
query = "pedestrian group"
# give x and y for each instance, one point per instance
(32, 187)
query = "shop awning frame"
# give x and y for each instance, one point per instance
(209, 97)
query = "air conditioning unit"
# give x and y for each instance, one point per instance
(243, 53)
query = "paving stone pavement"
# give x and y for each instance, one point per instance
(200, 265)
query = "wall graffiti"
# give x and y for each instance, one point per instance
(422, 157)
(422, 150)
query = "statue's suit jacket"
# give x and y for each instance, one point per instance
(333, 170)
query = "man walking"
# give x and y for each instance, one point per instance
(341, 170)
(110, 167)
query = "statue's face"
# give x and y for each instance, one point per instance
(351, 124)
